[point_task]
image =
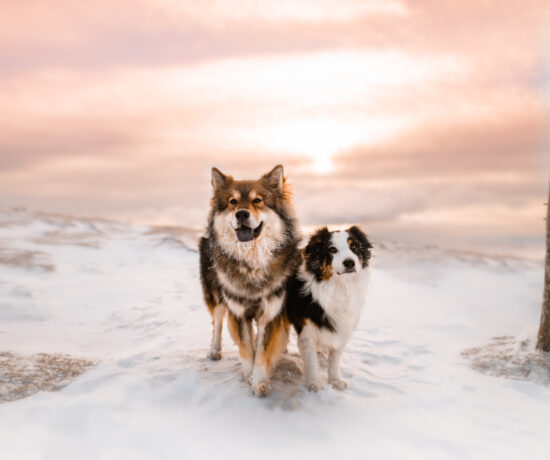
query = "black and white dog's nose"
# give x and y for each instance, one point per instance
(242, 215)
(349, 263)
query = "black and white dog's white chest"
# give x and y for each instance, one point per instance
(332, 306)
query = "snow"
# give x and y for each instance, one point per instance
(127, 298)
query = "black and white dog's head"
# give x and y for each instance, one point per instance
(338, 252)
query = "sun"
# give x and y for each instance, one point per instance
(322, 164)
(321, 139)
(318, 139)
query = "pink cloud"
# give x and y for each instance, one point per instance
(426, 110)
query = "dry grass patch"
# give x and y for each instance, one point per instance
(508, 357)
(22, 376)
(29, 260)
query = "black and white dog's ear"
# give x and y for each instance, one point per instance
(276, 177)
(317, 240)
(360, 235)
(364, 244)
(218, 179)
(318, 259)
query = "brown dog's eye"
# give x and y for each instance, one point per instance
(233, 201)
(256, 200)
(333, 250)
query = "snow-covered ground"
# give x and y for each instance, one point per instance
(127, 299)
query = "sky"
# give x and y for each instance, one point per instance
(422, 120)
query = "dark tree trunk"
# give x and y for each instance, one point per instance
(543, 342)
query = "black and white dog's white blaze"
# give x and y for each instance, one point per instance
(325, 297)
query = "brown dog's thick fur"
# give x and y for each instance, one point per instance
(248, 252)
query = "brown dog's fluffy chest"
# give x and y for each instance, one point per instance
(251, 281)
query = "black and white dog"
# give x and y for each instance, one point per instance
(325, 297)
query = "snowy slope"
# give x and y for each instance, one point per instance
(127, 298)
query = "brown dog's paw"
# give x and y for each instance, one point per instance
(214, 355)
(261, 389)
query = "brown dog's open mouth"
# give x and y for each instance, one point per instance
(245, 233)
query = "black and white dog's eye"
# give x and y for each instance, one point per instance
(333, 250)
(233, 201)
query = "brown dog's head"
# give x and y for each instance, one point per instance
(247, 210)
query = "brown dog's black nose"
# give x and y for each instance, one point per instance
(242, 215)
(349, 263)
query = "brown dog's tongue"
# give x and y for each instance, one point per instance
(244, 233)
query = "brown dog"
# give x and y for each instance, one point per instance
(248, 252)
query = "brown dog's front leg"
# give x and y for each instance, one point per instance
(270, 344)
(242, 334)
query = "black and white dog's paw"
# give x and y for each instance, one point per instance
(339, 384)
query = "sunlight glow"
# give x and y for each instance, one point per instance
(323, 164)
(322, 138)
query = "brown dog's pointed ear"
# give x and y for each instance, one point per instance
(276, 177)
(218, 179)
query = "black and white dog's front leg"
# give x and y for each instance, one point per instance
(307, 343)
(334, 378)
